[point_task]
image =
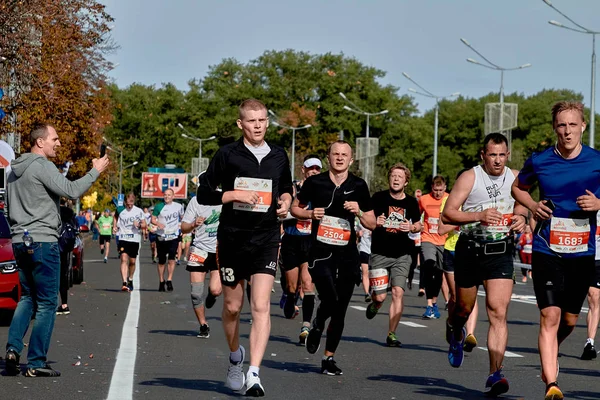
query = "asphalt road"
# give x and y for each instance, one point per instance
(168, 360)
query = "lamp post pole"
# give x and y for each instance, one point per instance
(276, 121)
(582, 29)
(358, 110)
(199, 140)
(427, 93)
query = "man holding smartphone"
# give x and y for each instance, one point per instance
(568, 176)
(481, 203)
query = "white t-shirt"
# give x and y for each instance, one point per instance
(169, 215)
(206, 234)
(127, 231)
(364, 244)
(259, 152)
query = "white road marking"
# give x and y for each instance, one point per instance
(412, 324)
(121, 383)
(359, 308)
(506, 353)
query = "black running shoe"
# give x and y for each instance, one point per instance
(210, 300)
(589, 352)
(204, 332)
(169, 286)
(329, 367)
(392, 340)
(130, 285)
(63, 311)
(289, 308)
(11, 363)
(45, 372)
(371, 311)
(161, 287)
(313, 340)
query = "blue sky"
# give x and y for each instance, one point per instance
(177, 40)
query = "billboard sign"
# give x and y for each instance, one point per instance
(154, 184)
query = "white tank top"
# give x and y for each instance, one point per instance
(490, 192)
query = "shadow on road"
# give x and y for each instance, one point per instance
(291, 366)
(191, 384)
(432, 386)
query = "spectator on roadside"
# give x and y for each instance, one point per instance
(33, 191)
(66, 215)
(525, 251)
(81, 219)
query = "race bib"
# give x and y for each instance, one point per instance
(501, 227)
(527, 249)
(304, 226)
(334, 231)
(125, 236)
(106, 226)
(262, 187)
(569, 235)
(197, 257)
(378, 279)
(433, 224)
(170, 236)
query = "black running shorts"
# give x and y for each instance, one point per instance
(596, 282)
(210, 264)
(294, 250)
(239, 256)
(129, 248)
(166, 249)
(341, 263)
(104, 239)
(562, 282)
(472, 266)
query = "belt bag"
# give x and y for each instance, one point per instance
(495, 248)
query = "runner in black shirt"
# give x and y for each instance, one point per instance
(336, 197)
(391, 249)
(257, 189)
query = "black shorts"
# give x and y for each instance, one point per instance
(104, 239)
(129, 248)
(239, 256)
(152, 237)
(474, 263)
(341, 262)
(364, 257)
(596, 282)
(210, 264)
(166, 249)
(294, 250)
(562, 282)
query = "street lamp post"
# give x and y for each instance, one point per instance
(293, 129)
(199, 140)
(583, 29)
(112, 147)
(356, 109)
(427, 93)
(491, 65)
(124, 168)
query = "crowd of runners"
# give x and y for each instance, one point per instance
(328, 234)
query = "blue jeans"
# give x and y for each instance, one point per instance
(39, 274)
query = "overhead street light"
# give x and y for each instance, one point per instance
(356, 109)
(583, 29)
(491, 65)
(427, 93)
(199, 140)
(276, 122)
(113, 148)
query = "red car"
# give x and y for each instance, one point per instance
(10, 289)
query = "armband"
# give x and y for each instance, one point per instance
(360, 213)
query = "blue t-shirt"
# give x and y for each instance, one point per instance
(562, 181)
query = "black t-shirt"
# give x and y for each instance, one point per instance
(321, 192)
(387, 240)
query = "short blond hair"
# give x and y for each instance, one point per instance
(250, 104)
(402, 167)
(567, 106)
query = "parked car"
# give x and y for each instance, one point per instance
(10, 289)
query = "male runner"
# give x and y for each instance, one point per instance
(257, 189)
(148, 218)
(166, 217)
(391, 248)
(295, 246)
(568, 177)
(151, 228)
(432, 245)
(482, 204)
(204, 221)
(336, 198)
(129, 222)
(105, 225)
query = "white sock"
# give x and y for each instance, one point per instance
(236, 356)
(590, 340)
(253, 370)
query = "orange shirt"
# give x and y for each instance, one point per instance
(430, 207)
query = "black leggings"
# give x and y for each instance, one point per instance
(432, 277)
(64, 277)
(335, 295)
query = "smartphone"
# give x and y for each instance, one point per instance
(102, 150)
(550, 204)
(538, 227)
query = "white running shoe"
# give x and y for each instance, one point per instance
(235, 373)
(253, 385)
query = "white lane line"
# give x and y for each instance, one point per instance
(506, 353)
(359, 308)
(121, 383)
(412, 324)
